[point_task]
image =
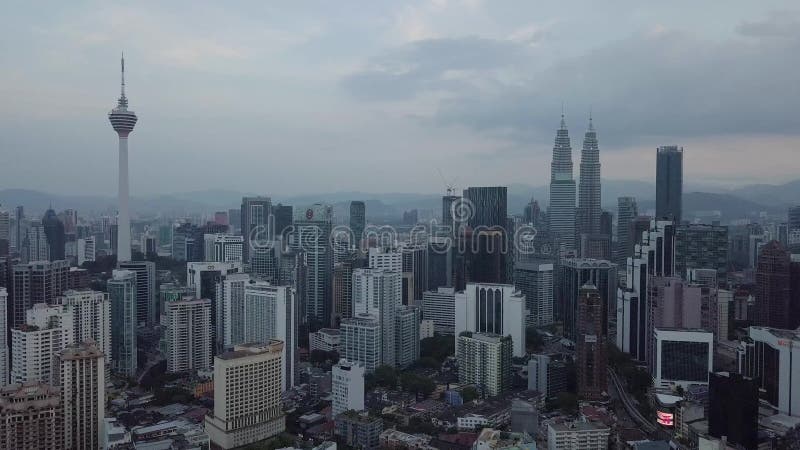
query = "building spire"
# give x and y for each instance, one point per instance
(591, 125)
(123, 101)
(563, 113)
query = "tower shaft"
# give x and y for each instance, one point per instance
(124, 218)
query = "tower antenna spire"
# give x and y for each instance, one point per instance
(563, 113)
(591, 125)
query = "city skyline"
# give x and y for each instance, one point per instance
(320, 97)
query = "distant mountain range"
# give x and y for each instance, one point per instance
(745, 201)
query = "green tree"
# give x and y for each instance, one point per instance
(469, 394)
(385, 376)
(416, 384)
(438, 347)
(567, 402)
(533, 340)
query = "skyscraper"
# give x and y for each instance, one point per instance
(91, 317)
(255, 212)
(484, 360)
(733, 408)
(247, 395)
(36, 282)
(589, 194)
(34, 345)
(123, 122)
(361, 341)
(573, 274)
(188, 335)
(702, 246)
(669, 183)
(591, 345)
(31, 416)
(270, 312)
(82, 379)
(561, 212)
(406, 336)
(535, 281)
(447, 211)
(146, 307)
(494, 309)
(122, 291)
(54, 232)
(358, 221)
(311, 236)
(627, 210)
(773, 288)
(375, 292)
(3, 342)
(489, 206)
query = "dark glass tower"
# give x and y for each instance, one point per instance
(591, 345)
(54, 231)
(358, 221)
(773, 288)
(669, 183)
(733, 408)
(489, 206)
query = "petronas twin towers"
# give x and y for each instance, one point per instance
(566, 221)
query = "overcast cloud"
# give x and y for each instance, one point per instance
(303, 97)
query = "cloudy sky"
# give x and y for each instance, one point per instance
(319, 96)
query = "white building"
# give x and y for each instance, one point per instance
(535, 281)
(440, 307)
(247, 395)
(188, 335)
(484, 360)
(386, 258)
(777, 381)
(406, 336)
(326, 339)
(682, 357)
(347, 387)
(492, 308)
(82, 379)
(35, 345)
(86, 250)
(577, 436)
(426, 329)
(230, 311)
(361, 341)
(221, 247)
(270, 313)
(377, 292)
(207, 279)
(91, 318)
(3, 344)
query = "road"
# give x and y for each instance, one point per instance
(629, 406)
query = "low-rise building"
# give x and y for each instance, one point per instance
(491, 439)
(326, 339)
(577, 436)
(359, 430)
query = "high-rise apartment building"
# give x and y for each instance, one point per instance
(347, 387)
(342, 291)
(406, 339)
(270, 313)
(91, 318)
(188, 335)
(122, 292)
(492, 308)
(311, 236)
(82, 380)
(48, 330)
(440, 306)
(361, 341)
(535, 280)
(31, 417)
(375, 292)
(247, 395)
(590, 345)
(561, 212)
(669, 183)
(146, 307)
(36, 282)
(415, 272)
(484, 360)
(230, 312)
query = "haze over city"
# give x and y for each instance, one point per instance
(298, 99)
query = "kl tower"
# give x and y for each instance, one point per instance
(123, 122)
